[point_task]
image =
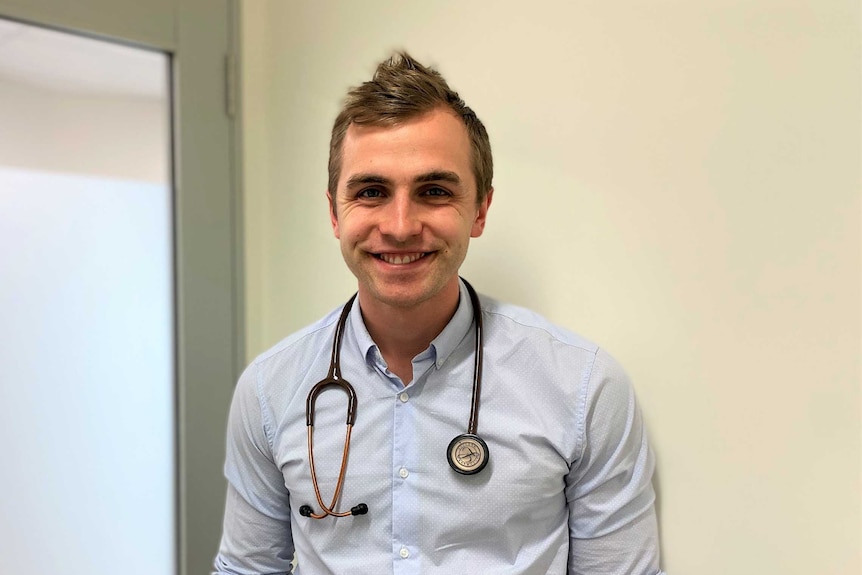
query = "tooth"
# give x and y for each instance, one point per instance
(400, 259)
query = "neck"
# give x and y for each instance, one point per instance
(403, 332)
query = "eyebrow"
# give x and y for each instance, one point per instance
(432, 176)
(365, 179)
(438, 176)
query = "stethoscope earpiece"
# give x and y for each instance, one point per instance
(467, 453)
(306, 511)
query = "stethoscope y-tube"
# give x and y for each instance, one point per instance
(333, 378)
(467, 453)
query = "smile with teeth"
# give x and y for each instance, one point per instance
(401, 259)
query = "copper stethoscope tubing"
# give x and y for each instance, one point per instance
(330, 509)
(333, 378)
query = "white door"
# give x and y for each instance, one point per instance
(87, 368)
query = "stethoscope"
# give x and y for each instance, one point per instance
(467, 453)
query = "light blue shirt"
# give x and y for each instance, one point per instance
(567, 489)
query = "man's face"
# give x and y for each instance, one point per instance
(405, 208)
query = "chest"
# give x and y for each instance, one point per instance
(397, 462)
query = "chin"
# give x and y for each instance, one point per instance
(402, 296)
(399, 299)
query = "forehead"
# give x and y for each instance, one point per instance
(436, 140)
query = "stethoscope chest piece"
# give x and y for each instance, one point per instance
(467, 454)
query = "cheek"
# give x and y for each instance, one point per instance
(349, 232)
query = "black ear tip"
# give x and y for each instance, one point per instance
(360, 509)
(305, 510)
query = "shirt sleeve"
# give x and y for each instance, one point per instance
(612, 522)
(256, 537)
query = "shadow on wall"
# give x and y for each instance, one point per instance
(656, 485)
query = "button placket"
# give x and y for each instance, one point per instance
(405, 502)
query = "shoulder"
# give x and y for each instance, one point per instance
(569, 376)
(272, 371)
(300, 341)
(528, 326)
(563, 360)
(556, 347)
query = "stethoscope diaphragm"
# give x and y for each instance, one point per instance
(467, 454)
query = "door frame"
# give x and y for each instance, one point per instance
(201, 36)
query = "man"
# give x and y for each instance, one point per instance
(554, 477)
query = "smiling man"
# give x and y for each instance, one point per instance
(556, 479)
(405, 209)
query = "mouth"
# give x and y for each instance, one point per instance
(401, 259)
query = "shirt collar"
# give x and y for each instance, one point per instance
(457, 328)
(442, 346)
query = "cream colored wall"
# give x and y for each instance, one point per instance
(678, 181)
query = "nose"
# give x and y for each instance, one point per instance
(401, 219)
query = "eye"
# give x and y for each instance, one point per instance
(436, 191)
(370, 194)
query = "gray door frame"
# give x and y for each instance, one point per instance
(201, 37)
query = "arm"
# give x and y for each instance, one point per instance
(256, 536)
(612, 523)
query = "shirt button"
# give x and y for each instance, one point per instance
(403, 473)
(403, 397)
(404, 553)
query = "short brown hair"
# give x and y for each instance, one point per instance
(402, 89)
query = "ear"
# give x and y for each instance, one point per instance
(333, 219)
(481, 215)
